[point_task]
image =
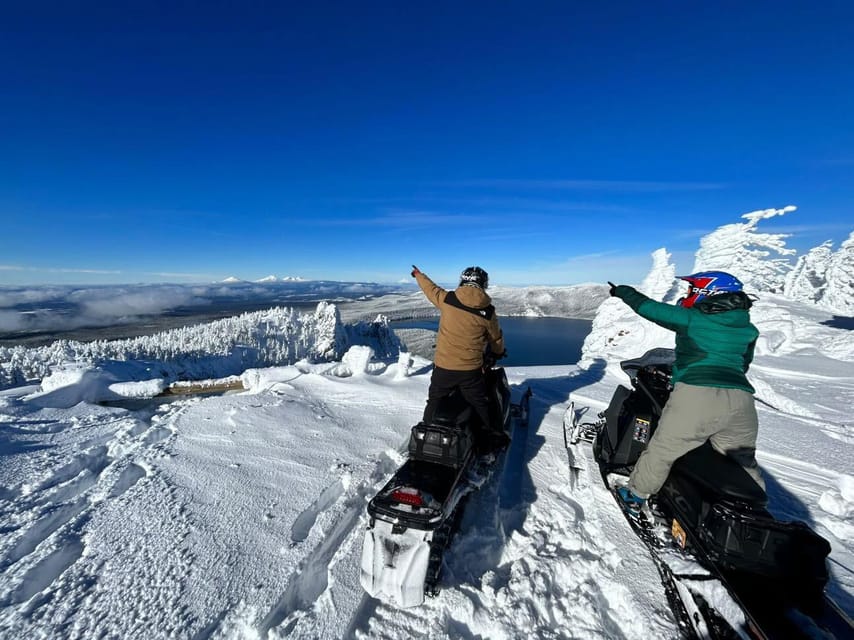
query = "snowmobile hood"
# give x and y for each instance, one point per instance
(473, 297)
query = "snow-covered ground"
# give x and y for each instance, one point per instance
(242, 515)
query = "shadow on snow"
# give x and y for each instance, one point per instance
(840, 322)
(501, 506)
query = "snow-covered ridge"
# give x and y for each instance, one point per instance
(272, 278)
(572, 301)
(225, 347)
(576, 301)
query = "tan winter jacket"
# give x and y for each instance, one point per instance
(463, 334)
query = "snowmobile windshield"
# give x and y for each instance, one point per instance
(653, 358)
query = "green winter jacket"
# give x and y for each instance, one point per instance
(714, 338)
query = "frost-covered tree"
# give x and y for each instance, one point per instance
(217, 349)
(660, 283)
(839, 293)
(807, 281)
(739, 249)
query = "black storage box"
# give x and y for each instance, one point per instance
(786, 551)
(436, 443)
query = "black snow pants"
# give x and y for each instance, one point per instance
(472, 386)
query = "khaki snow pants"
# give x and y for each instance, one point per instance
(692, 415)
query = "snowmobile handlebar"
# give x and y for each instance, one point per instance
(490, 359)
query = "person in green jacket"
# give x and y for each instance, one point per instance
(711, 398)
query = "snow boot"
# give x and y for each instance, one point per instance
(629, 501)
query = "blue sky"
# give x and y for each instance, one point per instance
(549, 142)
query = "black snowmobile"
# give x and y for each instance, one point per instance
(711, 511)
(412, 518)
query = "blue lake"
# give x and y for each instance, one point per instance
(530, 341)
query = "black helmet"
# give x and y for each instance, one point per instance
(474, 277)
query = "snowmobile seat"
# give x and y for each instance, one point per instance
(451, 411)
(720, 475)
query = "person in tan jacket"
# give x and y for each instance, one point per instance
(467, 324)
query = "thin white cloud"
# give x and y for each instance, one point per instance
(593, 267)
(57, 270)
(95, 271)
(512, 204)
(400, 220)
(187, 276)
(596, 185)
(592, 256)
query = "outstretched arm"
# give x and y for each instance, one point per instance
(666, 315)
(435, 294)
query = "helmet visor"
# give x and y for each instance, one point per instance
(691, 298)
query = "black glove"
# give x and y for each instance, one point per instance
(613, 290)
(415, 271)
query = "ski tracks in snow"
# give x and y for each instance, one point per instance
(83, 469)
(308, 601)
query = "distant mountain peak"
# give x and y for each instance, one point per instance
(267, 279)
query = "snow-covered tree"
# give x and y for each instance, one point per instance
(660, 283)
(740, 250)
(839, 292)
(217, 349)
(807, 282)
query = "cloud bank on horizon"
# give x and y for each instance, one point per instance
(53, 308)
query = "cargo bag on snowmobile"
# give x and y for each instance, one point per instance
(758, 544)
(713, 494)
(441, 444)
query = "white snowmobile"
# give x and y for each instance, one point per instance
(413, 517)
